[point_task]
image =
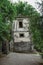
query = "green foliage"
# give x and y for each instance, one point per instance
(7, 13)
(36, 28)
(37, 35)
(25, 9)
(40, 26)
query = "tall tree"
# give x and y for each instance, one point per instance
(7, 13)
(40, 25)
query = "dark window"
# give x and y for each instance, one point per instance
(20, 24)
(21, 35)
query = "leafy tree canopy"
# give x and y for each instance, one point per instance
(7, 13)
(25, 9)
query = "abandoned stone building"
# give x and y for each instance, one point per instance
(22, 42)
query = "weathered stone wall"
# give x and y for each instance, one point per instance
(21, 44)
(22, 47)
(24, 30)
(17, 38)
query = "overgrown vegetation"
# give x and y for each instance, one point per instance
(7, 13)
(35, 23)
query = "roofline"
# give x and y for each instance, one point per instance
(22, 17)
(27, 16)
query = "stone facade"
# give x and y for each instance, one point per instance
(22, 47)
(21, 34)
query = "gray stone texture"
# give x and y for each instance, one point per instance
(22, 47)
